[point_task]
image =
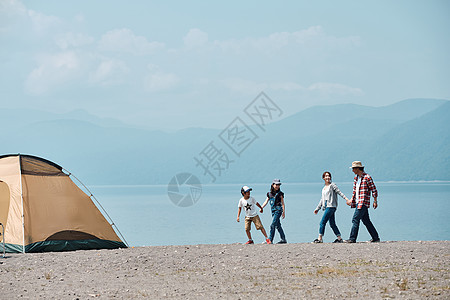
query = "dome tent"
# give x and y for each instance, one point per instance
(42, 209)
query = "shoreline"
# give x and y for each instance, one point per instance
(390, 269)
(164, 185)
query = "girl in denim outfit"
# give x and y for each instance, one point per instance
(276, 199)
(329, 203)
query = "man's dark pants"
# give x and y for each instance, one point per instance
(362, 215)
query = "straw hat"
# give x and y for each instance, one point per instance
(357, 164)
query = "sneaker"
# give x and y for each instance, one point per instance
(282, 242)
(317, 241)
(374, 240)
(349, 241)
(249, 242)
(338, 241)
(268, 241)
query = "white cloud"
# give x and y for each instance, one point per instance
(308, 40)
(335, 89)
(42, 23)
(252, 87)
(12, 8)
(277, 62)
(71, 39)
(157, 80)
(109, 71)
(79, 18)
(324, 88)
(52, 71)
(243, 86)
(15, 16)
(286, 86)
(124, 40)
(195, 38)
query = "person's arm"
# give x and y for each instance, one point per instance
(284, 207)
(319, 206)
(352, 202)
(265, 202)
(239, 214)
(373, 189)
(260, 207)
(338, 191)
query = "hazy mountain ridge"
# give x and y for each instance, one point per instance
(423, 144)
(24, 117)
(408, 140)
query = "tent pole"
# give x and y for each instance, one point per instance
(21, 196)
(91, 196)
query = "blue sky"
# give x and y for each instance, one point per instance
(177, 64)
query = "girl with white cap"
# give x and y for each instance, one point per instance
(276, 198)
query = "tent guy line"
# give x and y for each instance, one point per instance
(99, 204)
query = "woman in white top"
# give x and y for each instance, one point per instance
(329, 203)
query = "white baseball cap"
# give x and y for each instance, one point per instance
(245, 189)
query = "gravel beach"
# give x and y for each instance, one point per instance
(386, 270)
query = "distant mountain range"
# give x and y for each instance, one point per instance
(409, 140)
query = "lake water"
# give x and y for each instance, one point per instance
(146, 216)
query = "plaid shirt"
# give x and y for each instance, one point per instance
(365, 188)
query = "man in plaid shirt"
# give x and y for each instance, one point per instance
(363, 186)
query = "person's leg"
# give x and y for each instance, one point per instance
(323, 222)
(278, 214)
(333, 223)
(359, 213)
(368, 223)
(273, 225)
(259, 225)
(281, 232)
(248, 227)
(264, 232)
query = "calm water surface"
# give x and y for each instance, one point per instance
(146, 216)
